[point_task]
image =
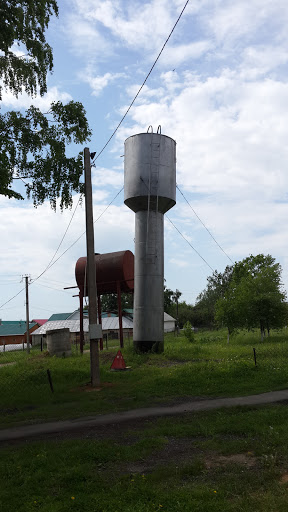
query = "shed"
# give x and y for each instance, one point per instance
(169, 323)
(109, 325)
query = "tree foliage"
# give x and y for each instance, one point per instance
(109, 302)
(33, 145)
(188, 332)
(24, 23)
(185, 311)
(254, 297)
(217, 284)
(168, 298)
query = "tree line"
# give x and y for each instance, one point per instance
(247, 295)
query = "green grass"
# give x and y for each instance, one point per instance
(232, 460)
(208, 367)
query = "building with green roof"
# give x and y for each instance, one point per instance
(59, 316)
(15, 332)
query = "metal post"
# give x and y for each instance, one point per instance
(81, 321)
(120, 314)
(177, 291)
(27, 315)
(100, 319)
(91, 271)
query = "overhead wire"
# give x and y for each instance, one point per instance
(53, 281)
(51, 288)
(14, 296)
(102, 213)
(55, 261)
(140, 89)
(51, 263)
(177, 186)
(42, 309)
(148, 188)
(106, 144)
(61, 241)
(189, 243)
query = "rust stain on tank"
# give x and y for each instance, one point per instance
(111, 268)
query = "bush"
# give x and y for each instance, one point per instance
(188, 332)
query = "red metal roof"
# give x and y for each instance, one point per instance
(39, 322)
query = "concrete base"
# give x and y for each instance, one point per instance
(148, 346)
(58, 342)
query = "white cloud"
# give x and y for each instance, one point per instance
(133, 24)
(225, 105)
(30, 240)
(85, 39)
(136, 24)
(261, 59)
(178, 262)
(43, 103)
(103, 177)
(98, 83)
(176, 55)
(232, 21)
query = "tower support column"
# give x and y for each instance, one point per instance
(148, 319)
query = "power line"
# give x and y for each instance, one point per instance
(55, 261)
(50, 262)
(181, 233)
(47, 280)
(42, 309)
(7, 283)
(6, 309)
(61, 241)
(12, 298)
(136, 96)
(116, 129)
(204, 225)
(9, 275)
(189, 243)
(51, 288)
(105, 210)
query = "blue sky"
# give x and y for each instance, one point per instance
(219, 89)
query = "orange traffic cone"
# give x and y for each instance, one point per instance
(118, 363)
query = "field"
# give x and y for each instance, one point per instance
(209, 367)
(233, 461)
(229, 460)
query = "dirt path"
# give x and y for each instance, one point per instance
(101, 425)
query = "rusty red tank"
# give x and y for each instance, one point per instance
(111, 268)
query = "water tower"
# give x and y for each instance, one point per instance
(150, 191)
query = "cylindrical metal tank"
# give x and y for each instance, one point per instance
(150, 172)
(150, 191)
(111, 268)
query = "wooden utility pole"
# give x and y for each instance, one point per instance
(27, 315)
(94, 327)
